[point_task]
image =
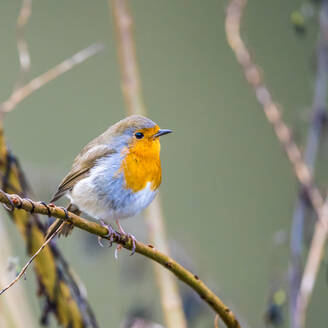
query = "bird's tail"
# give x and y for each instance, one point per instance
(65, 227)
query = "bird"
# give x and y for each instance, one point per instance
(115, 176)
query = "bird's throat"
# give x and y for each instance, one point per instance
(141, 165)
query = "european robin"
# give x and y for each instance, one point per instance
(116, 175)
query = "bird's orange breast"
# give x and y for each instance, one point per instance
(142, 164)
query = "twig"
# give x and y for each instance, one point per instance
(35, 84)
(216, 321)
(53, 275)
(29, 262)
(312, 267)
(132, 92)
(319, 117)
(14, 201)
(15, 306)
(22, 47)
(130, 77)
(271, 109)
(284, 135)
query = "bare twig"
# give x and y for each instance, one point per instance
(22, 272)
(23, 92)
(271, 109)
(15, 307)
(302, 171)
(53, 274)
(312, 267)
(130, 77)
(216, 321)
(22, 47)
(13, 201)
(319, 116)
(132, 91)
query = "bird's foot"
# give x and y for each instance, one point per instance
(133, 239)
(111, 234)
(128, 235)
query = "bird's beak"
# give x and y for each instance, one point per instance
(161, 132)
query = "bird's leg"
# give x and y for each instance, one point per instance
(120, 227)
(126, 234)
(111, 233)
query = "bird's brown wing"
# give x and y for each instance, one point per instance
(81, 167)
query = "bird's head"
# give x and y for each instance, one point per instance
(139, 134)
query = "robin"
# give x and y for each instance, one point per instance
(115, 176)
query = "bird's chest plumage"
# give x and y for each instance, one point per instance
(141, 167)
(119, 186)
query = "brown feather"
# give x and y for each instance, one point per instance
(66, 227)
(81, 167)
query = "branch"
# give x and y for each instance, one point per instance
(302, 171)
(270, 108)
(22, 272)
(54, 278)
(319, 116)
(312, 265)
(22, 47)
(132, 92)
(13, 201)
(15, 307)
(130, 77)
(35, 84)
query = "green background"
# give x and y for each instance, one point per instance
(227, 189)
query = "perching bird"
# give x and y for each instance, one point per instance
(116, 175)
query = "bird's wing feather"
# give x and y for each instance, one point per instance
(81, 167)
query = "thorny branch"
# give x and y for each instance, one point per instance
(13, 202)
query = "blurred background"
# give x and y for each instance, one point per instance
(228, 190)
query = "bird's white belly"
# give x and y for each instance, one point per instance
(109, 200)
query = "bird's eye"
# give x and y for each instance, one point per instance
(139, 135)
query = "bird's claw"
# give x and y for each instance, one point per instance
(119, 247)
(133, 239)
(128, 235)
(111, 234)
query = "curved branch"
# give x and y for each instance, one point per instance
(14, 201)
(301, 167)
(319, 118)
(271, 109)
